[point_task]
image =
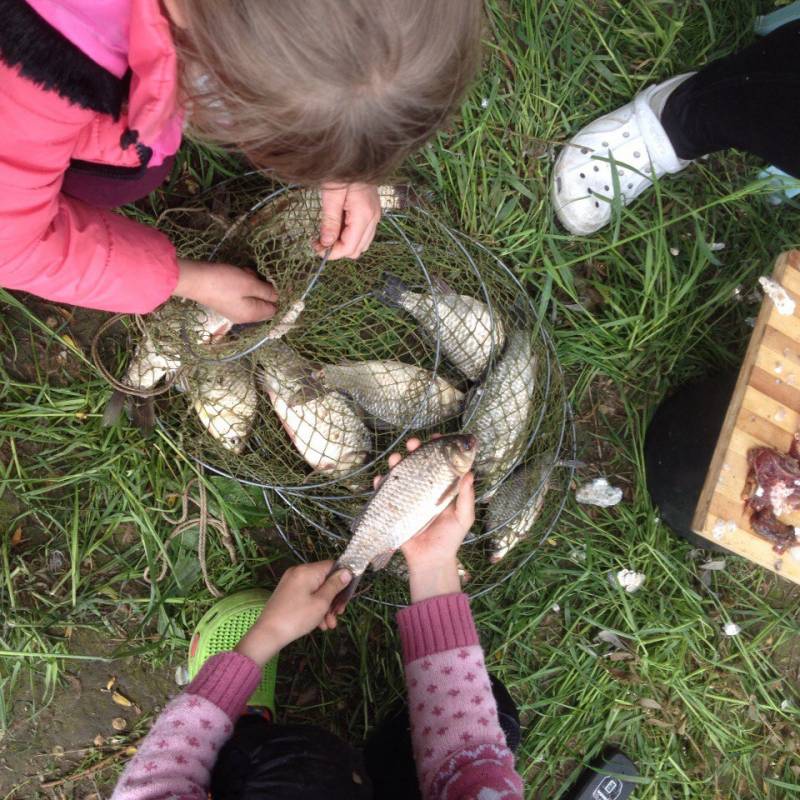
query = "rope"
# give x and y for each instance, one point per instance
(169, 381)
(202, 522)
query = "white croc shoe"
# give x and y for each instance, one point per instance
(630, 142)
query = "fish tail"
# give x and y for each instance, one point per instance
(143, 414)
(393, 290)
(343, 598)
(113, 409)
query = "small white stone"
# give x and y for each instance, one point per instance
(783, 303)
(760, 491)
(556, 608)
(599, 493)
(674, 251)
(785, 704)
(485, 102)
(181, 675)
(629, 580)
(715, 247)
(731, 629)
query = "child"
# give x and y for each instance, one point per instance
(95, 94)
(748, 101)
(201, 741)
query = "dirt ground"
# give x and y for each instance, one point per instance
(76, 731)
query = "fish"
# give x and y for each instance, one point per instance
(155, 358)
(412, 495)
(225, 400)
(326, 429)
(395, 394)
(498, 411)
(468, 331)
(515, 507)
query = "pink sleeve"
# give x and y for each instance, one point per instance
(59, 248)
(459, 748)
(177, 756)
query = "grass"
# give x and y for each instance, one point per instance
(703, 715)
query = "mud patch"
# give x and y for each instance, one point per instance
(74, 731)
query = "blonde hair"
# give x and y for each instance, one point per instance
(326, 90)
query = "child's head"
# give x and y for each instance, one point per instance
(327, 90)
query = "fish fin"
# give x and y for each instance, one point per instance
(343, 598)
(354, 523)
(114, 407)
(381, 560)
(441, 286)
(312, 387)
(449, 493)
(143, 414)
(393, 290)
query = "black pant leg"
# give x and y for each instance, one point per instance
(287, 762)
(389, 757)
(748, 101)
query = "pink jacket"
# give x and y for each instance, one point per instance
(51, 245)
(459, 748)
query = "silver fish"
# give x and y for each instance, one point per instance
(226, 401)
(498, 412)
(469, 332)
(515, 507)
(326, 430)
(156, 357)
(394, 393)
(415, 492)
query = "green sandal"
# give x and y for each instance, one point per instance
(220, 630)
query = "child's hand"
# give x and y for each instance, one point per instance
(236, 293)
(350, 216)
(301, 602)
(432, 555)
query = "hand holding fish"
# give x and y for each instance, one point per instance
(350, 217)
(238, 294)
(432, 555)
(300, 603)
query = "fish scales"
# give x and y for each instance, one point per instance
(326, 430)
(225, 400)
(515, 507)
(396, 394)
(467, 329)
(498, 412)
(414, 492)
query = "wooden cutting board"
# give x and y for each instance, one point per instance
(764, 410)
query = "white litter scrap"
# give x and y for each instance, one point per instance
(629, 580)
(780, 298)
(598, 493)
(731, 629)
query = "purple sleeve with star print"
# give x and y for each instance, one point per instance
(176, 758)
(459, 748)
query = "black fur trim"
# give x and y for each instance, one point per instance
(50, 60)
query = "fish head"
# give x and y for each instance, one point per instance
(460, 451)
